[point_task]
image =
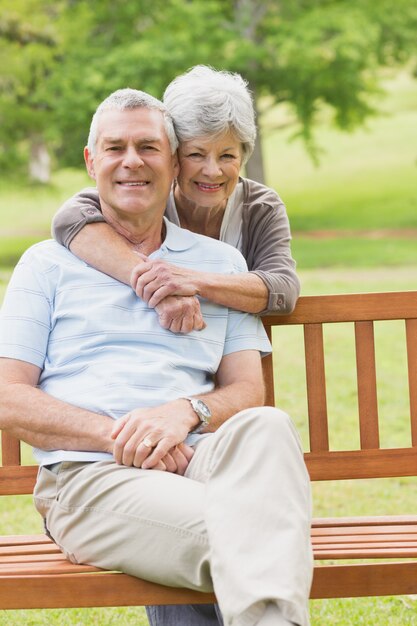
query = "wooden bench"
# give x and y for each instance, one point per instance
(380, 552)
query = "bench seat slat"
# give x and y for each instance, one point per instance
(45, 567)
(377, 520)
(89, 590)
(19, 540)
(366, 553)
(358, 539)
(28, 549)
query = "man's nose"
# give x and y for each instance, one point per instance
(132, 158)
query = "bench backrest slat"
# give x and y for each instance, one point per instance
(10, 450)
(411, 338)
(366, 380)
(316, 387)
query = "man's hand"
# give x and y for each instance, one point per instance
(153, 438)
(180, 314)
(154, 280)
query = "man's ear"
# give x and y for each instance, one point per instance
(89, 162)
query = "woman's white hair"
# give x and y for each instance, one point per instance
(208, 102)
(124, 99)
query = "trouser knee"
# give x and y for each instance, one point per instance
(267, 422)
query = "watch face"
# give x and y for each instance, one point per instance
(203, 408)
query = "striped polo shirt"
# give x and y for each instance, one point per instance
(101, 347)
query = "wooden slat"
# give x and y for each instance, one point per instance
(316, 387)
(17, 480)
(411, 337)
(46, 548)
(358, 539)
(349, 552)
(34, 558)
(10, 449)
(354, 307)
(361, 580)
(88, 590)
(268, 373)
(372, 520)
(32, 568)
(366, 380)
(22, 540)
(343, 465)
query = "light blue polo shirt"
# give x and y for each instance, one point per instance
(101, 347)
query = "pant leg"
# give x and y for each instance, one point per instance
(145, 523)
(258, 516)
(240, 518)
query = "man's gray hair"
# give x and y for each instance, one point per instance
(207, 102)
(124, 99)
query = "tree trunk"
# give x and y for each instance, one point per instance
(40, 162)
(255, 165)
(248, 15)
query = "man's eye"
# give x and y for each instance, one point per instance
(113, 148)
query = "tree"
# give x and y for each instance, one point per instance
(307, 53)
(28, 51)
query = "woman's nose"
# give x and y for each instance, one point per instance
(211, 167)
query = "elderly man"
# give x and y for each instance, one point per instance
(146, 465)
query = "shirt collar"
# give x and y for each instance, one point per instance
(177, 239)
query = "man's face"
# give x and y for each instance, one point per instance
(133, 165)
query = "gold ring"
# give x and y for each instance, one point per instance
(148, 443)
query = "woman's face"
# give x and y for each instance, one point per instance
(209, 169)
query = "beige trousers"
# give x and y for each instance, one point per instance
(238, 522)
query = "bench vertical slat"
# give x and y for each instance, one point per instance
(411, 337)
(316, 387)
(268, 372)
(366, 380)
(10, 450)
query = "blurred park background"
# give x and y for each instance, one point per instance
(335, 86)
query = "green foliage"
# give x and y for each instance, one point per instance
(60, 58)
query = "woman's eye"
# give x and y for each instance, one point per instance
(228, 157)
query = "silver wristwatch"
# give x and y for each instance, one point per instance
(203, 412)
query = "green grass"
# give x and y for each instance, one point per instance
(26, 211)
(366, 179)
(356, 252)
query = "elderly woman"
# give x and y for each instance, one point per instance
(215, 123)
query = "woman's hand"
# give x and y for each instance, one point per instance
(180, 314)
